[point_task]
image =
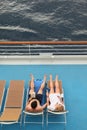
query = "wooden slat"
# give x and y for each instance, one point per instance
(10, 114)
(15, 94)
(16, 85)
(2, 86)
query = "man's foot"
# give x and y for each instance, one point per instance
(44, 80)
(32, 77)
(32, 82)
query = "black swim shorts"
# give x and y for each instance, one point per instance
(37, 96)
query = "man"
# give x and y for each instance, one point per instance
(35, 100)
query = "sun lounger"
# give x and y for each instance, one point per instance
(2, 88)
(30, 114)
(14, 102)
(56, 113)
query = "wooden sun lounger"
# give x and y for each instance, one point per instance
(14, 102)
(2, 88)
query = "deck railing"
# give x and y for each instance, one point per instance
(44, 47)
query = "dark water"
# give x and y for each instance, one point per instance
(29, 20)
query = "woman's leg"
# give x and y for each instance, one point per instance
(57, 90)
(51, 85)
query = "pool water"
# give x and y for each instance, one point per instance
(74, 82)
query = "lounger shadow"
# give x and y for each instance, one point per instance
(14, 102)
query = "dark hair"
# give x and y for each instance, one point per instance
(34, 104)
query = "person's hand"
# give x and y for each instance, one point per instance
(47, 94)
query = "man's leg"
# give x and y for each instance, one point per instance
(57, 85)
(42, 85)
(31, 84)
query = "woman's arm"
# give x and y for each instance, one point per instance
(48, 100)
(44, 106)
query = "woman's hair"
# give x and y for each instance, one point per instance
(60, 108)
(34, 104)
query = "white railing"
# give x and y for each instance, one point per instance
(37, 49)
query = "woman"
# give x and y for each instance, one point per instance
(54, 100)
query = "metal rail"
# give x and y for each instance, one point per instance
(37, 48)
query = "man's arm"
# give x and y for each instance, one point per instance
(27, 108)
(44, 106)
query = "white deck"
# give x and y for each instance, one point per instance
(43, 59)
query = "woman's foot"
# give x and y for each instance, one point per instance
(51, 77)
(56, 78)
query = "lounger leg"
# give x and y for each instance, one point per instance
(2, 127)
(20, 122)
(24, 121)
(65, 122)
(47, 120)
(43, 121)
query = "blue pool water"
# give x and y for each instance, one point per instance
(74, 80)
